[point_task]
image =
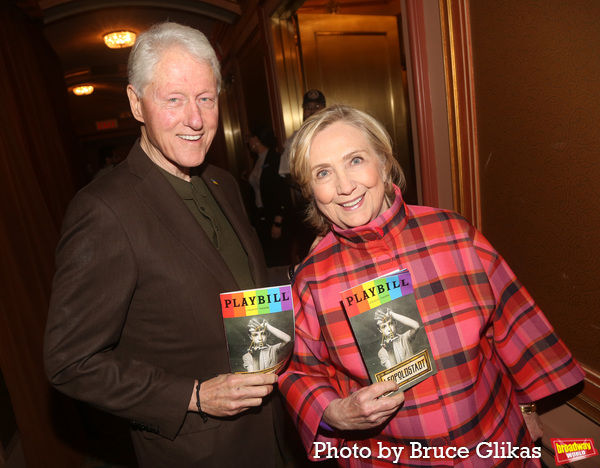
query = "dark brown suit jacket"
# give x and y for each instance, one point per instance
(135, 315)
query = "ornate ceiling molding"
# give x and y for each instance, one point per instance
(221, 10)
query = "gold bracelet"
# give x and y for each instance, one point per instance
(528, 409)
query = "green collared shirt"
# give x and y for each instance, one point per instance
(200, 201)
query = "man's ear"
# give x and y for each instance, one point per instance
(135, 102)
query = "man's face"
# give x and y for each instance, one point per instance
(253, 143)
(180, 112)
(311, 108)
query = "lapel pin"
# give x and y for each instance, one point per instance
(214, 182)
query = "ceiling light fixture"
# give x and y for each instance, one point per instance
(119, 39)
(83, 90)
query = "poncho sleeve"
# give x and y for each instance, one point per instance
(309, 383)
(536, 359)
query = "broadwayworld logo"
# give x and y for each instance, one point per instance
(570, 450)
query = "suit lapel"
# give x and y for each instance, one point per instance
(162, 198)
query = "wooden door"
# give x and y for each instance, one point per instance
(356, 60)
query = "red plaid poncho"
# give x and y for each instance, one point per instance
(492, 345)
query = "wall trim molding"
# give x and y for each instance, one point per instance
(422, 115)
(460, 94)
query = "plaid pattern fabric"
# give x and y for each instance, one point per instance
(492, 345)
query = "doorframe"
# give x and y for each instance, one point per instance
(460, 93)
(439, 60)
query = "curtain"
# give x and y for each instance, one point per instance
(37, 150)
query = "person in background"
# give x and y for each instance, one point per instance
(495, 351)
(273, 218)
(135, 325)
(312, 102)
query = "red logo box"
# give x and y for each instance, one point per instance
(570, 450)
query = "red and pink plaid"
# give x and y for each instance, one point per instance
(492, 345)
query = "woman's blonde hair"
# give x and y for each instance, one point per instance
(377, 136)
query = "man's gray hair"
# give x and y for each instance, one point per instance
(154, 42)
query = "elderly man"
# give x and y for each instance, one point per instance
(135, 325)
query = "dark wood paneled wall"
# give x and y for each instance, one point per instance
(537, 82)
(36, 183)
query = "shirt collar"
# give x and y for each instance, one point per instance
(183, 187)
(394, 217)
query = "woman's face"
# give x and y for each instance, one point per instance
(346, 176)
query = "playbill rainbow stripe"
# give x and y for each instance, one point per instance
(388, 329)
(256, 301)
(374, 293)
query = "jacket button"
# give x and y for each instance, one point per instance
(438, 442)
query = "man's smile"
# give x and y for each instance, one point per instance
(190, 137)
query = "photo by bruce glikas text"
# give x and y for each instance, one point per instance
(483, 450)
